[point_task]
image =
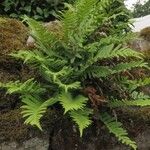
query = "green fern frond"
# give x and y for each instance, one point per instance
(115, 127)
(89, 35)
(102, 71)
(81, 118)
(129, 65)
(75, 17)
(70, 86)
(84, 8)
(37, 58)
(64, 72)
(29, 86)
(30, 56)
(110, 52)
(139, 95)
(126, 52)
(124, 103)
(125, 38)
(105, 71)
(72, 103)
(99, 71)
(33, 109)
(69, 22)
(56, 64)
(45, 40)
(134, 84)
(142, 82)
(87, 17)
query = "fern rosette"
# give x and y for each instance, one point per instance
(76, 58)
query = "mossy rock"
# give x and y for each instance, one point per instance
(13, 35)
(12, 127)
(142, 114)
(8, 102)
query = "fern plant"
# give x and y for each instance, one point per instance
(70, 60)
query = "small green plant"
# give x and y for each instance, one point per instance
(73, 60)
(38, 9)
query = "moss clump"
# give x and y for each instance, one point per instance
(7, 102)
(142, 114)
(13, 35)
(145, 33)
(12, 127)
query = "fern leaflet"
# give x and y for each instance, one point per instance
(72, 103)
(67, 87)
(34, 109)
(125, 103)
(115, 127)
(45, 39)
(139, 95)
(110, 52)
(128, 66)
(29, 86)
(81, 118)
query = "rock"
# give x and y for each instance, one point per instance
(8, 146)
(95, 137)
(13, 129)
(63, 135)
(31, 144)
(142, 43)
(30, 42)
(37, 144)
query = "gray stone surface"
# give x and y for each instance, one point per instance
(31, 144)
(36, 143)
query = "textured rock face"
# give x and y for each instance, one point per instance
(63, 135)
(32, 144)
(66, 137)
(142, 43)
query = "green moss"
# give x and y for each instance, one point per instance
(142, 114)
(13, 35)
(12, 127)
